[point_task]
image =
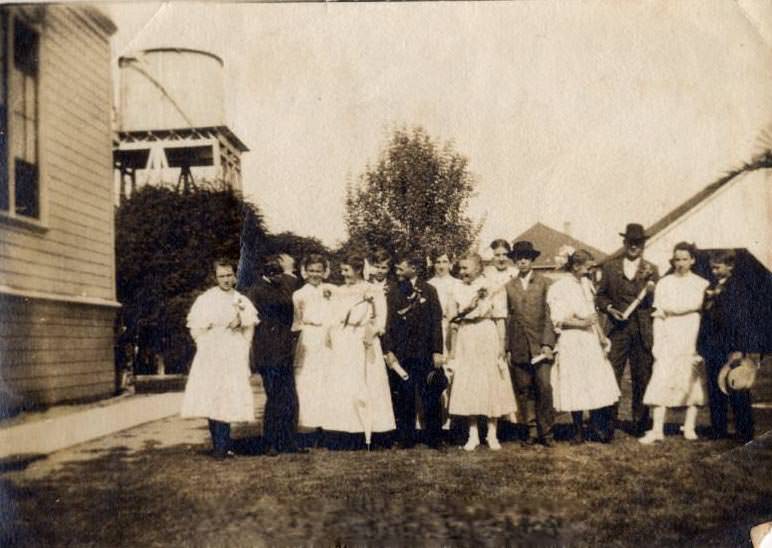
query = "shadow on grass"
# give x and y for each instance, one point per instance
(621, 494)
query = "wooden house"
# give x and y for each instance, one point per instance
(57, 255)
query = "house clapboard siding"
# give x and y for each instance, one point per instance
(57, 276)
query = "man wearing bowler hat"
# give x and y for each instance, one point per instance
(626, 294)
(530, 339)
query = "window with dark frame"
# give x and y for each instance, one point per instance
(19, 173)
(25, 109)
(4, 194)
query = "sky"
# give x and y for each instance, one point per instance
(580, 115)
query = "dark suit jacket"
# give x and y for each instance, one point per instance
(529, 326)
(616, 290)
(413, 328)
(273, 343)
(729, 323)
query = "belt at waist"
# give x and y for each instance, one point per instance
(463, 321)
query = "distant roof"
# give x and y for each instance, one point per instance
(764, 162)
(549, 241)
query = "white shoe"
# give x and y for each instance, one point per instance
(472, 443)
(690, 435)
(651, 436)
(493, 443)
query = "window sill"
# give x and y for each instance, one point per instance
(23, 222)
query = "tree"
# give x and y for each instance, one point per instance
(165, 244)
(415, 197)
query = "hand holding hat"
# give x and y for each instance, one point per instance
(738, 373)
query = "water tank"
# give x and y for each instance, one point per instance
(170, 88)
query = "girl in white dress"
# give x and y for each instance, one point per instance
(582, 378)
(445, 285)
(481, 384)
(221, 322)
(357, 388)
(498, 274)
(312, 305)
(678, 378)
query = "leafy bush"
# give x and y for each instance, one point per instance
(165, 244)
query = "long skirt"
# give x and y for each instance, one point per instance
(678, 375)
(358, 398)
(312, 363)
(218, 384)
(480, 385)
(582, 377)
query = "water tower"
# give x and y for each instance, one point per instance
(170, 124)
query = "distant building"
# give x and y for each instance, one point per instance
(549, 241)
(57, 259)
(171, 127)
(733, 212)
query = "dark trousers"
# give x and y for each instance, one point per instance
(405, 394)
(525, 377)
(627, 344)
(221, 436)
(281, 407)
(600, 423)
(740, 402)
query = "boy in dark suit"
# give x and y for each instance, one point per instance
(273, 346)
(413, 339)
(530, 334)
(623, 280)
(729, 331)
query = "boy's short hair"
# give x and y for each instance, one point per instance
(724, 256)
(378, 255)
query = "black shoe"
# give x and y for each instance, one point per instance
(578, 438)
(222, 455)
(544, 441)
(720, 435)
(438, 446)
(271, 452)
(295, 449)
(404, 445)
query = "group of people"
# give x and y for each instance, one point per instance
(371, 361)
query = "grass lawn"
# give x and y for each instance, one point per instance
(675, 493)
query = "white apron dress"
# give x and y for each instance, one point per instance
(678, 377)
(480, 385)
(357, 387)
(497, 281)
(582, 377)
(445, 286)
(312, 318)
(218, 383)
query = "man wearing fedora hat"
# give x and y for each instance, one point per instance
(626, 294)
(530, 339)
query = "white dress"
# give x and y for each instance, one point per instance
(480, 385)
(582, 377)
(445, 286)
(357, 387)
(498, 280)
(678, 377)
(312, 317)
(218, 384)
